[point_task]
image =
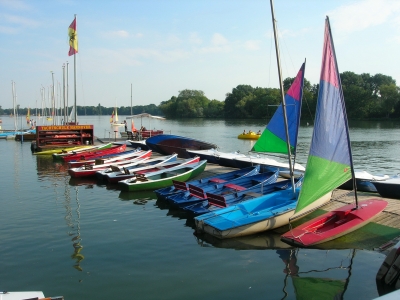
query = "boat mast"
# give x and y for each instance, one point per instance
(53, 105)
(65, 116)
(131, 99)
(345, 118)
(67, 108)
(283, 97)
(14, 103)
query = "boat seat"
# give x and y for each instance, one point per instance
(216, 200)
(252, 194)
(235, 187)
(180, 185)
(87, 167)
(114, 168)
(217, 180)
(100, 161)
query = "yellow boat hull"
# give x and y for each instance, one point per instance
(249, 136)
(59, 150)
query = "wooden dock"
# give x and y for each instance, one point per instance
(390, 217)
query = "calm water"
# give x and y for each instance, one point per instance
(85, 240)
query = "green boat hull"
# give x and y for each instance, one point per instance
(164, 179)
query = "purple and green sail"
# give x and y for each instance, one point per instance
(273, 139)
(329, 161)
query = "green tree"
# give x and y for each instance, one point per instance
(389, 98)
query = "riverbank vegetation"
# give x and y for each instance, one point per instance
(366, 97)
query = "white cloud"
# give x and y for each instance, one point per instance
(363, 14)
(8, 30)
(20, 21)
(252, 45)
(219, 40)
(116, 34)
(195, 39)
(15, 4)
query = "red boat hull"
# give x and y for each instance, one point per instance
(94, 154)
(91, 169)
(334, 224)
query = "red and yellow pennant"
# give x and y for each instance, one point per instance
(73, 38)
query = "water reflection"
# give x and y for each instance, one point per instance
(140, 196)
(56, 173)
(316, 283)
(263, 241)
(74, 226)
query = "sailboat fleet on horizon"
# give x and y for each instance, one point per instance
(329, 165)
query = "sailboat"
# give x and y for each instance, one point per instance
(273, 138)
(330, 163)
(268, 211)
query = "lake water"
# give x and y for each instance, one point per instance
(85, 240)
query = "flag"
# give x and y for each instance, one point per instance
(112, 117)
(73, 38)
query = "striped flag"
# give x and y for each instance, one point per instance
(73, 38)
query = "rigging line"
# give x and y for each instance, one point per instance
(286, 52)
(308, 106)
(271, 51)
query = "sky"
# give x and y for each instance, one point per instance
(161, 47)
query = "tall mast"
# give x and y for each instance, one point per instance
(67, 110)
(53, 105)
(283, 97)
(65, 115)
(75, 79)
(131, 99)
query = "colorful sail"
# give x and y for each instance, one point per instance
(273, 139)
(329, 161)
(112, 117)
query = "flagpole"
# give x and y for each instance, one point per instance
(75, 79)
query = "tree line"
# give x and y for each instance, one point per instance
(366, 97)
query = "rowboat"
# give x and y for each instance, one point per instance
(106, 158)
(87, 155)
(182, 187)
(75, 150)
(115, 174)
(198, 194)
(163, 178)
(60, 150)
(90, 170)
(221, 200)
(168, 144)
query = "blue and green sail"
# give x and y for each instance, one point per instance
(329, 162)
(273, 139)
